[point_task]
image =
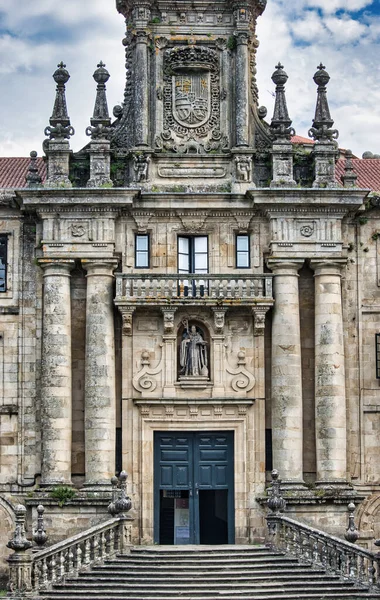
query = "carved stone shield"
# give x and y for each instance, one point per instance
(191, 98)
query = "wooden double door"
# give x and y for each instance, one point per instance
(194, 487)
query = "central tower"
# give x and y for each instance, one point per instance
(189, 117)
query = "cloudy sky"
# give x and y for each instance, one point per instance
(37, 34)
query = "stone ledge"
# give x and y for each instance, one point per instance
(320, 496)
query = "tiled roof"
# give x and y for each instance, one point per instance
(367, 170)
(298, 139)
(14, 170)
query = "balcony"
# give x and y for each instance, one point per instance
(180, 289)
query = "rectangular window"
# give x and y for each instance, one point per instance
(3, 263)
(193, 254)
(377, 338)
(242, 252)
(142, 251)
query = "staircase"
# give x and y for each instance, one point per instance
(204, 573)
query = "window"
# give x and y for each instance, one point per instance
(377, 339)
(3, 263)
(242, 252)
(193, 254)
(142, 251)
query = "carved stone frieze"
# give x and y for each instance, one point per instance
(167, 410)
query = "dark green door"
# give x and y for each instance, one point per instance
(194, 487)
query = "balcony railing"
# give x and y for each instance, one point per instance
(193, 287)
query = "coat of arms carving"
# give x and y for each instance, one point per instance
(191, 97)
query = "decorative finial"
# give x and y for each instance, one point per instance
(19, 543)
(100, 121)
(280, 125)
(276, 502)
(112, 506)
(349, 177)
(352, 533)
(321, 130)
(33, 178)
(123, 503)
(60, 121)
(40, 536)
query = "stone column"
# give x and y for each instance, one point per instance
(56, 394)
(141, 89)
(286, 373)
(241, 89)
(330, 391)
(100, 393)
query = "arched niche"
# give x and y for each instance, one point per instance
(193, 351)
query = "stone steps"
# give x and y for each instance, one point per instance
(205, 573)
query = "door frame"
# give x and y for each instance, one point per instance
(148, 417)
(194, 485)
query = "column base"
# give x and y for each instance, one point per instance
(100, 487)
(333, 484)
(51, 485)
(293, 485)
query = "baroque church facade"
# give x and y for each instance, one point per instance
(192, 297)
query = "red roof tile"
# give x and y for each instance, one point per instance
(298, 139)
(367, 170)
(14, 170)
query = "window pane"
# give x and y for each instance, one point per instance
(242, 242)
(142, 259)
(183, 263)
(200, 263)
(141, 242)
(242, 260)
(200, 244)
(183, 245)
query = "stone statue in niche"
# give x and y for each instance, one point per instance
(193, 352)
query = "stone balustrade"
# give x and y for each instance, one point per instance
(30, 573)
(321, 549)
(186, 288)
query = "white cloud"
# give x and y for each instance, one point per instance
(296, 33)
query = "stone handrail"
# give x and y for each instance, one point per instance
(69, 557)
(190, 286)
(318, 548)
(30, 573)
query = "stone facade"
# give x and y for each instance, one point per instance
(277, 281)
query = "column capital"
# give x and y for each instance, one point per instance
(285, 266)
(104, 267)
(60, 267)
(328, 266)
